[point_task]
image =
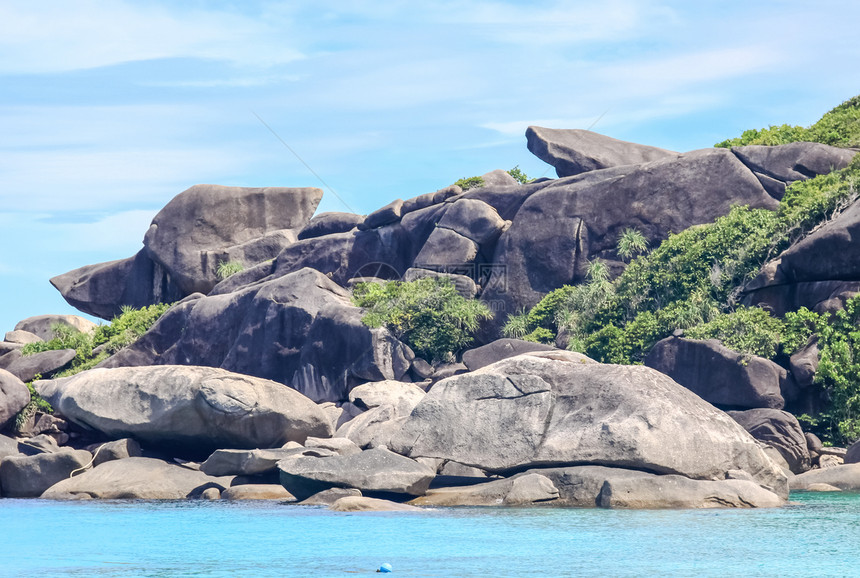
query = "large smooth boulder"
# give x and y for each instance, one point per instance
(245, 462)
(193, 233)
(329, 223)
(845, 477)
(377, 470)
(575, 151)
(103, 289)
(498, 350)
(29, 476)
(779, 429)
(539, 409)
(44, 363)
(794, 161)
(404, 396)
(14, 396)
(137, 479)
(21, 337)
(364, 504)
(299, 329)
(718, 374)
(186, 408)
(527, 489)
(43, 325)
(800, 277)
(8, 447)
(388, 404)
(115, 450)
(561, 227)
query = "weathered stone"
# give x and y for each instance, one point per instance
(460, 470)
(388, 214)
(22, 337)
(500, 349)
(649, 491)
(257, 492)
(429, 199)
(138, 479)
(116, 450)
(245, 462)
(102, 289)
(574, 151)
(300, 329)
(14, 396)
(363, 504)
(804, 364)
(340, 446)
(845, 477)
(421, 368)
(796, 161)
(718, 374)
(8, 447)
(535, 410)
(45, 363)
(525, 489)
(43, 325)
(330, 496)
(446, 248)
(210, 494)
(40, 444)
(329, 223)
(852, 455)
(473, 219)
(374, 427)
(29, 476)
(779, 429)
(186, 408)
(822, 488)
(404, 396)
(187, 236)
(465, 285)
(375, 470)
(499, 178)
(829, 461)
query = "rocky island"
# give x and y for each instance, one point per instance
(651, 329)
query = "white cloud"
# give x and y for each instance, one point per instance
(57, 36)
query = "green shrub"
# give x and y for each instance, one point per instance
(228, 268)
(518, 175)
(631, 242)
(749, 330)
(36, 403)
(470, 183)
(428, 314)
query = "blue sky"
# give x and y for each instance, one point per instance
(109, 108)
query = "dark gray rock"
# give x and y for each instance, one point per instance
(498, 350)
(242, 279)
(465, 285)
(115, 450)
(137, 479)
(340, 446)
(29, 476)
(188, 409)
(538, 409)
(14, 396)
(499, 178)
(376, 470)
(473, 219)
(446, 248)
(852, 455)
(718, 374)
(45, 363)
(429, 199)
(574, 151)
(102, 289)
(330, 223)
(300, 329)
(794, 161)
(523, 490)
(388, 214)
(814, 445)
(39, 444)
(560, 228)
(804, 364)
(779, 429)
(8, 358)
(330, 496)
(43, 325)
(189, 235)
(8, 447)
(245, 462)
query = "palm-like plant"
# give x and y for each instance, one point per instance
(631, 243)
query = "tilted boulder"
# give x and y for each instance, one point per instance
(190, 235)
(299, 329)
(29, 476)
(718, 374)
(574, 151)
(187, 409)
(43, 325)
(329, 223)
(21, 337)
(498, 350)
(14, 396)
(137, 478)
(779, 429)
(377, 470)
(44, 363)
(845, 477)
(526, 489)
(245, 462)
(533, 410)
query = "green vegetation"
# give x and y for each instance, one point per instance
(37, 403)
(122, 331)
(227, 268)
(631, 243)
(427, 314)
(470, 183)
(839, 127)
(518, 175)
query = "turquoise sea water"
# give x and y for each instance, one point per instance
(818, 536)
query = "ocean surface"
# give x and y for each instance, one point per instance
(818, 535)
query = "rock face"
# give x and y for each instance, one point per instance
(116, 450)
(779, 429)
(186, 408)
(799, 277)
(528, 489)
(377, 470)
(845, 477)
(14, 395)
(533, 410)
(45, 363)
(29, 476)
(330, 223)
(245, 462)
(43, 325)
(718, 374)
(573, 151)
(498, 350)
(300, 330)
(198, 229)
(137, 479)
